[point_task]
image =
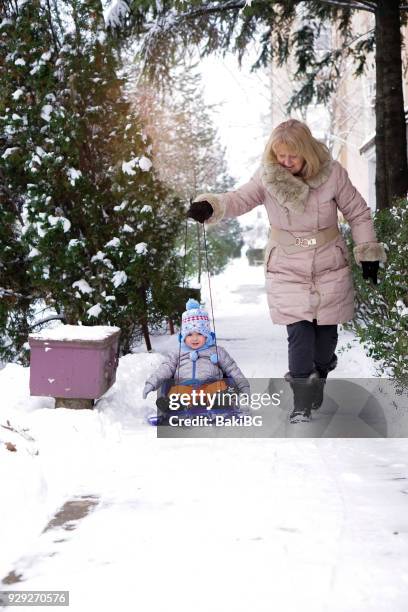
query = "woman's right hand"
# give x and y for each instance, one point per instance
(200, 211)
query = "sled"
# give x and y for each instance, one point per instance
(224, 388)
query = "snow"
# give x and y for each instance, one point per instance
(119, 278)
(75, 332)
(66, 223)
(33, 253)
(73, 242)
(73, 175)
(145, 164)
(9, 152)
(46, 112)
(20, 62)
(98, 257)
(401, 308)
(83, 286)
(94, 311)
(46, 56)
(40, 151)
(129, 167)
(223, 524)
(141, 248)
(116, 13)
(120, 207)
(115, 242)
(5, 22)
(126, 228)
(16, 95)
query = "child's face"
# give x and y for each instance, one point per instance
(195, 340)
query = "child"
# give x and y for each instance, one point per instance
(198, 360)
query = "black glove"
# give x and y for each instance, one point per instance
(200, 211)
(370, 270)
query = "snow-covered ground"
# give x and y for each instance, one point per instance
(94, 503)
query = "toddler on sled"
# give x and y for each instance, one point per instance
(200, 367)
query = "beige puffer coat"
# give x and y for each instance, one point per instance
(311, 283)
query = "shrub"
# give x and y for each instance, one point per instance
(381, 320)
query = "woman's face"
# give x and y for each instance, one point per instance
(289, 160)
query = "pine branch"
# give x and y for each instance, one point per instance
(14, 201)
(304, 95)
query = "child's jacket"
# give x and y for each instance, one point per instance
(200, 369)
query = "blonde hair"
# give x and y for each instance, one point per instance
(298, 137)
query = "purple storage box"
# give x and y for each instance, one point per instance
(73, 361)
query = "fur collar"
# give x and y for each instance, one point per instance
(291, 192)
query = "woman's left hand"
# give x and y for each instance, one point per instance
(370, 270)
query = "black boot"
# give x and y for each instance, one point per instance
(319, 387)
(318, 391)
(303, 396)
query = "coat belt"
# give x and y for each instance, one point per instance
(294, 244)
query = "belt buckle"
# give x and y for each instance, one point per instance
(305, 242)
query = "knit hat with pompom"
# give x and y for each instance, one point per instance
(195, 319)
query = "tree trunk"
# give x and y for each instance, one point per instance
(171, 327)
(146, 336)
(391, 139)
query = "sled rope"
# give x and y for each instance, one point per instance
(183, 285)
(199, 278)
(185, 253)
(199, 254)
(209, 288)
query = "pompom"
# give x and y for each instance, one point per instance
(214, 358)
(192, 304)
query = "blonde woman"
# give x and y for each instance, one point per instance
(308, 278)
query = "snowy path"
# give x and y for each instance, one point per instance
(210, 524)
(238, 525)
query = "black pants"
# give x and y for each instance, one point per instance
(310, 346)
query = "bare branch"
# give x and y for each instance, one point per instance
(10, 293)
(49, 19)
(47, 319)
(359, 5)
(213, 8)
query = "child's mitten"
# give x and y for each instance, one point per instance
(148, 388)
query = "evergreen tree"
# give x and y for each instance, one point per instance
(96, 222)
(26, 85)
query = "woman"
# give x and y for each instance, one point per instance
(308, 278)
